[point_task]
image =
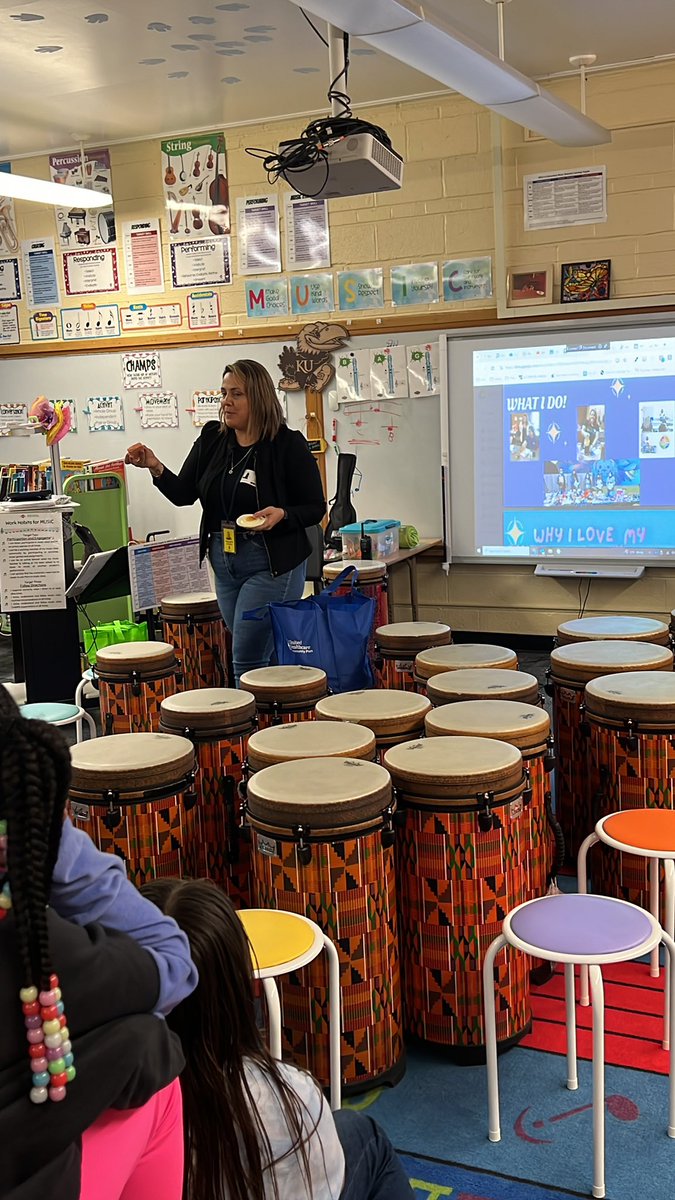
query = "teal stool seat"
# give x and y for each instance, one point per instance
(52, 712)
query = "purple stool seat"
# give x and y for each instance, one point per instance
(582, 926)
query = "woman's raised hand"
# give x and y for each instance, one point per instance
(139, 455)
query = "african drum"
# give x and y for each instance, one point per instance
(484, 683)
(194, 627)
(308, 739)
(461, 867)
(323, 846)
(397, 647)
(462, 656)
(285, 693)
(627, 629)
(218, 722)
(134, 678)
(572, 667)
(393, 716)
(632, 734)
(134, 795)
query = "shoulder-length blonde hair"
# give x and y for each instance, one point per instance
(267, 415)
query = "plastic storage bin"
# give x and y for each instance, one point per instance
(383, 538)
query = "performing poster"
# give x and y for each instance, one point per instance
(105, 413)
(423, 369)
(205, 407)
(556, 198)
(307, 236)
(202, 263)
(9, 325)
(141, 369)
(152, 316)
(312, 293)
(196, 191)
(32, 566)
(80, 227)
(44, 325)
(90, 272)
(159, 410)
(9, 238)
(90, 322)
(203, 310)
(467, 279)
(258, 235)
(415, 284)
(143, 256)
(39, 272)
(10, 279)
(360, 289)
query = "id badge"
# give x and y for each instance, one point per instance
(229, 532)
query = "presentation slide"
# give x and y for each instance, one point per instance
(573, 448)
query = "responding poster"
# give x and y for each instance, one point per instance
(76, 227)
(195, 185)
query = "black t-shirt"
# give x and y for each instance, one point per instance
(232, 490)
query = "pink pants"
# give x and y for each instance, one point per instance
(136, 1154)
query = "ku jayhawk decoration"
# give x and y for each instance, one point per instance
(309, 364)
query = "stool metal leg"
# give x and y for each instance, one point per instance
(91, 725)
(670, 949)
(494, 1131)
(274, 1013)
(335, 1029)
(669, 926)
(582, 888)
(571, 1025)
(654, 887)
(598, 1000)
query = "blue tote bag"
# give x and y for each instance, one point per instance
(327, 631)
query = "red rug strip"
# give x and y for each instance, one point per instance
(633, 1018)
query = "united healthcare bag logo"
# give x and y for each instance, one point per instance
(298, 647)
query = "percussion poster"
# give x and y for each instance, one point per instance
(77, 227)
(195, 185)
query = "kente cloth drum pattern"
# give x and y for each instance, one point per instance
(218, 850)
(455, 885)
(134, 707)
(348, 888)
(572, 782)
(396, 673)
(201, 649)
(152, 839)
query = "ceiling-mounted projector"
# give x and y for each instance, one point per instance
(352, 166)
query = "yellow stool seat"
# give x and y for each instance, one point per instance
(648, 829)
(277, 938)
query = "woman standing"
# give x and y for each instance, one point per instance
(248, 463)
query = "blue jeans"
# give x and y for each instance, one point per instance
(372, 1167)
(244, 581)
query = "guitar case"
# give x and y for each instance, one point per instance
(342, 511)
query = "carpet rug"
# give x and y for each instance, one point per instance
(433, 1180)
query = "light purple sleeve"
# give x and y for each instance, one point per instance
(90, 886)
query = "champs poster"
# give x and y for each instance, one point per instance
(196, 190)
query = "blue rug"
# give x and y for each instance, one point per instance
(434, 1181)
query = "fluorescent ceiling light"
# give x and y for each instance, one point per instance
(400, 29)
(43, 191)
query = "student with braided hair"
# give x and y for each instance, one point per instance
(90, 1105)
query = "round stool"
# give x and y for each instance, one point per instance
(590, 930)
(650, 833)
(60, 714)
(282, 942)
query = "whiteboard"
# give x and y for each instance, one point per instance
(400, 468)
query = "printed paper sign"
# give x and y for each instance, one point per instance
(39, 268)
(9, 325)
(203, 310)
(9, 241)
(423, 369)
(415, 284)
(557, 198)
(44, 326)
(267, 298)
(467, 279)
(360, 289)
(10, 279)
(388, 375)
(90, 321)
(12, 413)
(196, 191)
(205, 407)
(32, 566)
(352, 376)
(206, 261)
(143, 257)
(151, 316)
(77, 227)
(90, 271)
(307, 237)
(142, 369)
(258, 234)
(105, 413)
(159, 410)
(311, 294)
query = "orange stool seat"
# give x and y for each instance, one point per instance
(651, 830)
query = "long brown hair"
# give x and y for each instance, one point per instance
(217, 1027)
(267, 415)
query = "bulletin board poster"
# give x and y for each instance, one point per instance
(467, 279)
(9, 239)
(105, 413)
(195, 185)
(10, 278)
(78, 228)
(360, 289)
(141, 369)
(159, 410)
(205, 407)
(9, 325)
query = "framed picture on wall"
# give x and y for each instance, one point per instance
(531, 286)
(585, 281)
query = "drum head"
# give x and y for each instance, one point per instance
(483, 684)
(640, 629)
(580, 661)
(130, 762)
(644, 696)
(285, 683)
(368, 569)
(462, 656)
(521, 725)
(385, 712)
(412, 635)
(195, 603)
(309, 739)
(455, 770)
(323, 793)
(215, 709)
(144, 657)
